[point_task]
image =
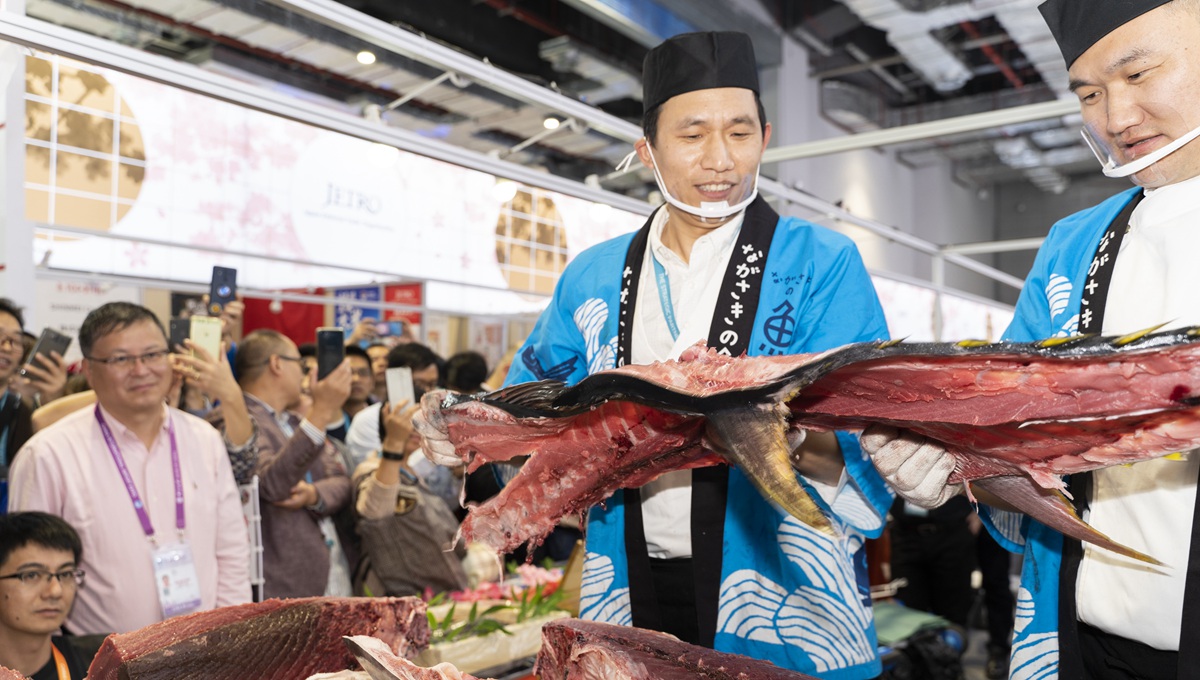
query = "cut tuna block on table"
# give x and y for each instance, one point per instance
(573, 649)
(273, 639)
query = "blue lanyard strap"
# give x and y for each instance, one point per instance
(664, 297)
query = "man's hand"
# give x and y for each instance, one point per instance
(914, 466)
(435, 434)
(365, 330)
(45, 376)
(303, 495)
(211, 375)
(329, 395)
(398, 426)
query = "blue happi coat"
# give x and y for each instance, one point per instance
(1048, 307)
(788, 594)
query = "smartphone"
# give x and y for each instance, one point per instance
(205, 331)
(179, 330)
(50, 341)
(223, 289)
(331, 350)
(400, 385)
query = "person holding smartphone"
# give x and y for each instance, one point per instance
(46, 376)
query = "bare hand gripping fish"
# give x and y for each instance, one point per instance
(1015, 417)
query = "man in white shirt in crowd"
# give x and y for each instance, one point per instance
(148, 487)
(1125, 265)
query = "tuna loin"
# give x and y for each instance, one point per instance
(588, 650)
(273, 639)
(1014, 415)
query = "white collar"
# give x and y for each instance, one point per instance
(1166, 203)
(722, 238)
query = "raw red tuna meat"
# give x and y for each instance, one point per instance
(1016, 416)
(273, 639)
(587, 650)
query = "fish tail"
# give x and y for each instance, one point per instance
(1051, 507)
(755, 439)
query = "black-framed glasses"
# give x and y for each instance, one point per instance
(127, 361)
(36, 578)
(13, 339)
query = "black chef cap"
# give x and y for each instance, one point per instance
(1079, 24)
(698, 61)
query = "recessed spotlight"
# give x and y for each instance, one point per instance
(551, 123)
(366, 58)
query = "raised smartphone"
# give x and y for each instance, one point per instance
(331, 350)
(49, 341)
(400, 385)
(223, 289)
(205, 331)
(178, 331)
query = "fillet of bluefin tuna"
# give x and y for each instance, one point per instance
(1015, 417)
(573, 649)
(292, 638)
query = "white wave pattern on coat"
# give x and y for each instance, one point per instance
(1058, 294)
(1034, 657)
(590, 318)
(596, 601)
(826, 618)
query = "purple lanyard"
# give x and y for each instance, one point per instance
(138, 505)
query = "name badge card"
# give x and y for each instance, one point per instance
(176, 580)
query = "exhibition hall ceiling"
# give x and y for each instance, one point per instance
(879, 63)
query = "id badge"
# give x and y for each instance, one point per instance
(175, 579)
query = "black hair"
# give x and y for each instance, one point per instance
(110, 318)
(308, 349)
(466, 371)
(650, 119)
(10, 308)
(19, 529)
(354, 351)
(412, 355)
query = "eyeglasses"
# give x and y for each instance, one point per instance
(127, 361)
(14, 340)
(36, 578)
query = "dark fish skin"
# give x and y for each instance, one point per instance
(747, 419)
(554, 399)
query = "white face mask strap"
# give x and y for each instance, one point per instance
(1111, 169)
(710, 211)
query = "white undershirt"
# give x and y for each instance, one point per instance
(1147, 506)
(695, 286)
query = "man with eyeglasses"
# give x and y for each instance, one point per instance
(148, 487)
(302, 480)
(39, 577)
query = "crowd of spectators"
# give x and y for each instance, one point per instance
(129, 472)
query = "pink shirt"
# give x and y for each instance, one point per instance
(68, 471)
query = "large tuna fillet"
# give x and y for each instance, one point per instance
(10, 674)
(588, 650)
(273, 639)
(1015, 416)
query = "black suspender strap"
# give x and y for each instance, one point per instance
(1091, 321)
(732, 325)
(1100, 271)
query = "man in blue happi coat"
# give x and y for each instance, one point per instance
(1122, 266)
(699, 553)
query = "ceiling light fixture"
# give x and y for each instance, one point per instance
(365, 58)
(551, 123)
